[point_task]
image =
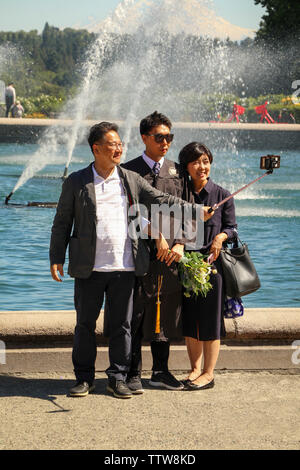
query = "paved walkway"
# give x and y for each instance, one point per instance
(245, 410)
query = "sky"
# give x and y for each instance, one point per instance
(33, 14)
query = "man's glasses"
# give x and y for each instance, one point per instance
(113, 145)
(159, 138)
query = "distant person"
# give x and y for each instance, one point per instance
(10, 97)
(17, 110)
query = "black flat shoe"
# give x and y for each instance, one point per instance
(192, 386)
(186, 383)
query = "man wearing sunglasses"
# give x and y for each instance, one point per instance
(162, 174)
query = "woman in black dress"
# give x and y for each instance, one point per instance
(202, 317)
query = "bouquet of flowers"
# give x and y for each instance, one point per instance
(195, 274)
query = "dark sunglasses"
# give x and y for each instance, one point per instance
(159, 138)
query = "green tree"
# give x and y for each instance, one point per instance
(282, 20)
(47, 63)
(279, 37)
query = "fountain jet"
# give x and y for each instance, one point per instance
(29, 204)
(64, 176)
(8, 198)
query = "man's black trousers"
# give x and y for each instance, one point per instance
(89, 296)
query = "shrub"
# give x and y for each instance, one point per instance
(41, 105)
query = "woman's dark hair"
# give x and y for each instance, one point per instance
(98, 131)
(192, 152)
(153, 120)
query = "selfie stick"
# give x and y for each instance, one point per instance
(216, 206)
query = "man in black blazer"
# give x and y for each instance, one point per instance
(164, 175)
(92, 218)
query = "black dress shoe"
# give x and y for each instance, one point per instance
(118, 388)
(192, 386)
(186, 383)
(81, 389)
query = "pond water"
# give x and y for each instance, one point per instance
(268, 216)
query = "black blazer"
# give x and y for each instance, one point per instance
(76, 214)
(169, 181)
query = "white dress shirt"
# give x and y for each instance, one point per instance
(113, 245)
(151, 162)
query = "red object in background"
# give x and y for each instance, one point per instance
(237, 111)
(262, 109)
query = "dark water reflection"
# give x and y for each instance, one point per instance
(268, 216)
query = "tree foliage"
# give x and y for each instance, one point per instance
(188, 69)
(281, 22)
(46, 63)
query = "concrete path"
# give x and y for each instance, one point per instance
(254, 405)
(245, 410)
(41, 341)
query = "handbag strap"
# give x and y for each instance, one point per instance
(235, 255)
(234, 242)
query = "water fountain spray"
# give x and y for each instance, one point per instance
(90, 73)
(93, 63)
(133, 68)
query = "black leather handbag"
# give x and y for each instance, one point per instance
(239, 273)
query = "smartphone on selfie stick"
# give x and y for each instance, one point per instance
(267, 162)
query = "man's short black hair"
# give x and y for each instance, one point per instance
(153, 120)
(192, 152)
(98, 131)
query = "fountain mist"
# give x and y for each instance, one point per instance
(156, 66)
